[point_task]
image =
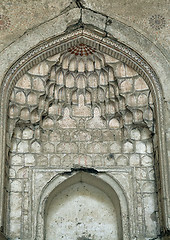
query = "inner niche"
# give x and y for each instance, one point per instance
(81, 212)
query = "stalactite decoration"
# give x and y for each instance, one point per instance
(81, 80)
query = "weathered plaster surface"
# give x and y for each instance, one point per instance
(124, 33)
(29, 14)
(82, 211)
(26, 15)
(136, 14)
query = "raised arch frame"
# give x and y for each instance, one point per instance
(115, 49)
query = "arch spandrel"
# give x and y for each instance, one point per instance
(126, 70)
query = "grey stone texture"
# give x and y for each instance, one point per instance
(81, 120)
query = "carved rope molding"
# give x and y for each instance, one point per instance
(108, 46)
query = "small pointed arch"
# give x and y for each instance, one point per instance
(13, 111)
(93, 80)
(89, 64)
(81, 81)
(97, 62)
(60, 77)
(110, 108)
(88, 97)
(103, 77)
(20, 97)
(65, 62)
(47, 123)
(101, 58)
(101, 94)
(74, 97)
(35, 116)
(111, 74)
(73, 64)
(128, 117)
(50, 90)
(25, 114)
(81, 65)
(69, 80)
(52, 74)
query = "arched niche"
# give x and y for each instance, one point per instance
(110, 47)
(96, 192)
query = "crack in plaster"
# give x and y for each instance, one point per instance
(81, 169)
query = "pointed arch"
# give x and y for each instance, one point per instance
(105, 45)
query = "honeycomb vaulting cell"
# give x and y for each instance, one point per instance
(80, 77)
